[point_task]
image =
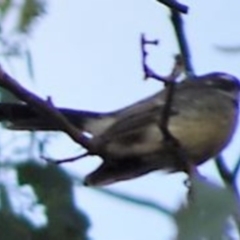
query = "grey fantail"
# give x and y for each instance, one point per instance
(203, 118)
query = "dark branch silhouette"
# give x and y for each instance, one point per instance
(170, 141)
(174, 5)
(148, 72)
(178, 27)
(228, 177)
(44, 108)
(65, 160)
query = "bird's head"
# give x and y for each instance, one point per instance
(226, 83)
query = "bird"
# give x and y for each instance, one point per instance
(203, 117)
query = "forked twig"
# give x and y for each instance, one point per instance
(171, 142)
(148, 72)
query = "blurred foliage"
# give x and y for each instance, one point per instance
(12, 226)
(17, 21)
(27, 12)
(53, 188)
(30, 11)
(5, 6)
(231, 50)
(208, 214)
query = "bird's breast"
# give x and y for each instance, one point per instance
(204, 132)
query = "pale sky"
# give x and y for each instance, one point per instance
(86, 55)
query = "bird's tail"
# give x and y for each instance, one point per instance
(23, 117)
(118, 170)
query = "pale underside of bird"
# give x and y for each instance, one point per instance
(203, 118)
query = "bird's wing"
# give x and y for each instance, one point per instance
(135, 133)
(135, 122)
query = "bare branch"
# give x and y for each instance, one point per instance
(236, 169)
(171, 81)
(148, 72)
(65, 160)
(174, 5)
(170, 141)
(43, 108)
(182, 42)
(224, 171)
(156, 206)
(229, 178)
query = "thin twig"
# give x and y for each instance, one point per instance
(129, 198)
(169, 82)
(148, 72)
(169, 140)
(187, 67)
(178, 26)
(229, 178)
(171, 79)
(174, 5)
(65, 160)
(223, 170)
(236, 169)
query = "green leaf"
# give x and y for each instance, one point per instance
(5, 5)
(53, 187)
(208, 213)
(31, 10)
(13, 226)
